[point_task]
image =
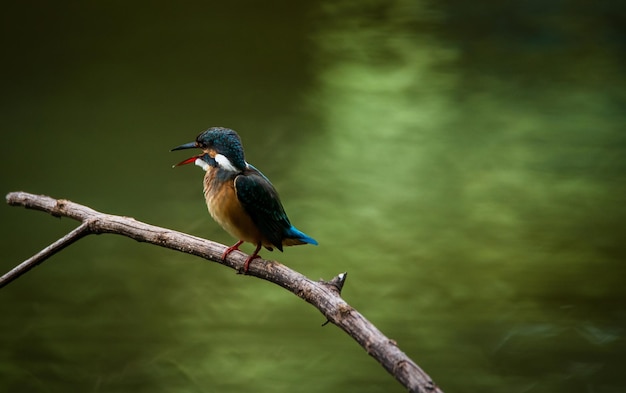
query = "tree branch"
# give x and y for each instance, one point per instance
(323, 295)
(81, 231)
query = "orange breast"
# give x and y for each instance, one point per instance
(225, 208)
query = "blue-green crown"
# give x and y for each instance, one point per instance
(225, 142)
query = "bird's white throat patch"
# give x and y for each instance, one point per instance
(202, 164)
(225, 163)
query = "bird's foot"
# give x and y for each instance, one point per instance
(252, 256)
(246, 264)
(231, 249)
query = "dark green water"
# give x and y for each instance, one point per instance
(465, 163)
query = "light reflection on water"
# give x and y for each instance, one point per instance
(476, 202)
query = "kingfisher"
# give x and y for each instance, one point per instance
(239, 197)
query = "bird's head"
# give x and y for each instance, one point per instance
(220, 146)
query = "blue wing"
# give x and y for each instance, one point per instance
(260, 200)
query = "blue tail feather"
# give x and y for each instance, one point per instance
(294, 233)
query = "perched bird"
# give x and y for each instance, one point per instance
(239, 197)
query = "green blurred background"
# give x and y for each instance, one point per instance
(464, 162)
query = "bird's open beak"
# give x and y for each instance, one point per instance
(190, 145)
(188, 161)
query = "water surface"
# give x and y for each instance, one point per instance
(463, 162)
